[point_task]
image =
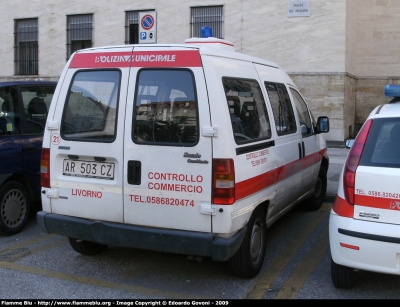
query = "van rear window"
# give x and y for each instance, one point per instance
(165, 111)
(382, 148)
(90, 112)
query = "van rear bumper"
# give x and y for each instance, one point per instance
(156, 239)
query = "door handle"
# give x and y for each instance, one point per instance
(300, 151)
(134, 172)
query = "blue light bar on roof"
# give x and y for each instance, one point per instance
(206, 32)
(392, 90)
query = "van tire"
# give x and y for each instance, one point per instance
(318, 197)
(248, 260)
(14, 207)
(342, 277)
(86, 247)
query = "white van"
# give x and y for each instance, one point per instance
(192, 149)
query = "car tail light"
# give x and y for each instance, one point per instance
(343, 208)
(352, 162)
(223, 181)
(45, 168)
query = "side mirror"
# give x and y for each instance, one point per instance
(322, 124)
(349, 143)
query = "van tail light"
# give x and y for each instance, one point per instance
(223, 174)
(45, 168)
(352, 162)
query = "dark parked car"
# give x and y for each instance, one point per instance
(23, 112)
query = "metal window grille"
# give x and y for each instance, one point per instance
(211, 16)
(79, 33)
(26, 47)
(132, 26)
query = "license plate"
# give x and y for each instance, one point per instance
(88, 169)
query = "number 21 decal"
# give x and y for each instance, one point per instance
(55, 139)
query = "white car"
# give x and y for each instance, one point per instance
(364, 224)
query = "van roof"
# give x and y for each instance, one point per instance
(206, 46)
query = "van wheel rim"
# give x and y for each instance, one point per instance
(256, 242)
(13, 208)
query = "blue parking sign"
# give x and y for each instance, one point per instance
(147, 30)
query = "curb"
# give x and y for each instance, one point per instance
(335, 144)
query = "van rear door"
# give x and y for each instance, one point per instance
(167, 154)
(86, 144)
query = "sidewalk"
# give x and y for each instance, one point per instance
(337, 153)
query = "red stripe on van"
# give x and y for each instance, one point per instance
(101, 60)
(181, 58)
(315, 157)
(377, 202)
(285, 171)
(252, 185)
(255, 184)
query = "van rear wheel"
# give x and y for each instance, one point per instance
(86, 247)
(248, 260)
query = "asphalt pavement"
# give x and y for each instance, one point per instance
(337, 156)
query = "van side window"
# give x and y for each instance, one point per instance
(249, 116)
(90, 112)
(165, 109)
(303, 113)
(282, 109)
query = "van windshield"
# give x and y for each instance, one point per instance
(165, 108)
(91, 107)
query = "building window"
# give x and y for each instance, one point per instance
(26, 47)
(132, 26)
(211, 16)
(79, 33)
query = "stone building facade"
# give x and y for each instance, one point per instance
(340, 55)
